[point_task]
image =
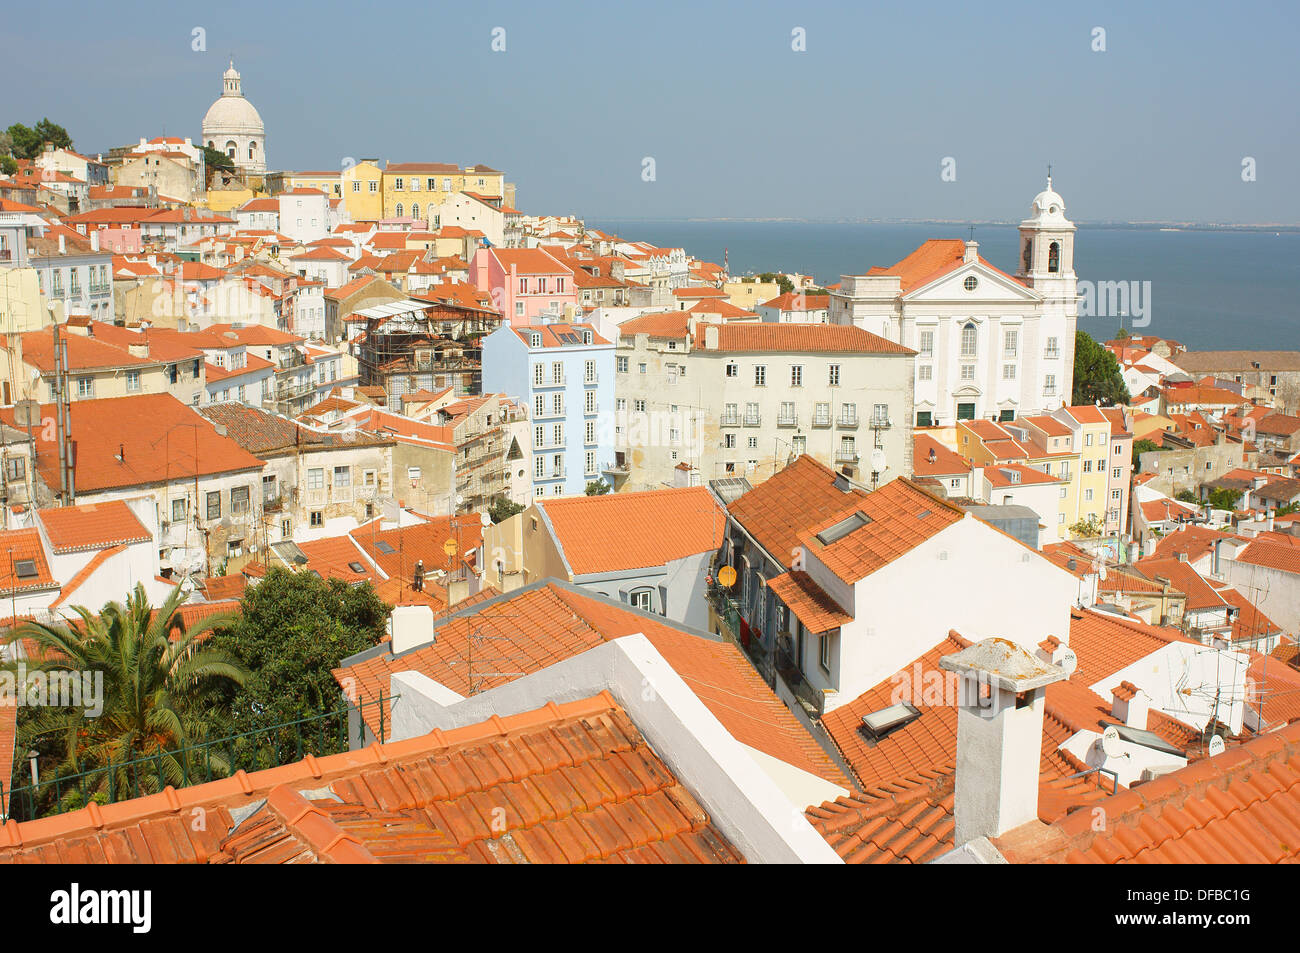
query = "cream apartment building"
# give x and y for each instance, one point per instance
(696, 401)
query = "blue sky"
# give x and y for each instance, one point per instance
(738, 123)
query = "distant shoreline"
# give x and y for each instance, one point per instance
(1138, 226)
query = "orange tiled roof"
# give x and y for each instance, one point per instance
(19, 545)
(1200, 594)
(620, 531)
(931, 260)
(1195, 541)
(809, 602)
(796, 338)
(901, 516)
(1242, 806)
(568, 783)
(1105, 644)
(123, 441)
(87, 526)
(781, 508)
(664, 324)
(945, 461)
(1271, 555)
(8, 739)
(537, 626)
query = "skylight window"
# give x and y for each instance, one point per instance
(880, 723)
(25, 569)
(357, 567)
(843, 528)
(1148, 739)
(385, 548)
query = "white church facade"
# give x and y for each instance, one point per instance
(989, 345)
(233, 126)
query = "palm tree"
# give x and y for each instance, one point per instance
(153, 672)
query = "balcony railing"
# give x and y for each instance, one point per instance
(753, 420)
(846, 456)
(787, 420)
(847, 420)
(1051, 354)
(880, 423)
(729, 420)
(821, 420)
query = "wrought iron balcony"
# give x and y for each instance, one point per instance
(729, 420)
(848, 421)
(787, 420)
(821, 421)
(753, 420)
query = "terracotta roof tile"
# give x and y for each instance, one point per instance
(19, 545)
(88, 526)
(744, 337)
(1242, 806)
(780, 509)
(536, 627)
(569, 783)
(900, 517)
(809, 602)
(620, 531)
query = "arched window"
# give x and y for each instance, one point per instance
(231, 148)
(642, 599)
(399, 209)
(251, 147)
(1029, 248)
(415, 210)
(968, 340)
(1054, 257)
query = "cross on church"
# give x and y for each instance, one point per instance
(972, 233)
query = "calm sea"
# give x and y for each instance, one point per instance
(1209, 289)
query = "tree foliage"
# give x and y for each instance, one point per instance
(294, 628)
(152, 694)
(1096, 374)
(28, 143)
(1222, 498)
(1088, 528)
(1144, 446)
(597, 487)
(1187, 496)
(502, 508)
(784, 283)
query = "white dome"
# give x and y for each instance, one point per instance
(1048, 206)
(232, 114)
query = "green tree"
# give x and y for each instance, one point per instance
(1187, 496)
(1222, 498)
(8, 165)
(1144, 446)
(1122, 334)
(782, 282)
(501, 509)
(1096, 374)
(597, 487)
(28, 143)
(292, 631)
(152, 700)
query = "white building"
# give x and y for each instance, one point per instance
(989, 345)
(304, 214)
(234, 126)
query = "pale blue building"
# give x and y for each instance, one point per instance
(566, 374)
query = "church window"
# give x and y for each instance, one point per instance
(1029, 247)
(971, 283)
(968, 341)
(1054, 257)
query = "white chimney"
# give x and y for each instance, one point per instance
(63, 247)
(410, 627)
(972, 252)
(1130, 705)
(999, 736)
(94, 239)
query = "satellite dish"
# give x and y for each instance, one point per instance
(1111, 745)
(1101, 572)
(1069, 661)
(1216, 745)
(484, 519)
(878, 461)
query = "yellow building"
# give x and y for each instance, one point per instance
(222, 201)
(410, 189)
(362, 187)
(22, 307)
(1046, 445)
(750, 294)
(328, 182)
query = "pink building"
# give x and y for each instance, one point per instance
(527, 285)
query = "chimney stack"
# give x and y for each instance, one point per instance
(999, 736)
(1130, 705)
(63, 247)
(94, 239)
(972, 252)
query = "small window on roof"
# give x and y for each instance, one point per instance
(25, 569)
(357, 568)
(385, 548)
(843, 528)
(1148, 739)
(880, 723)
